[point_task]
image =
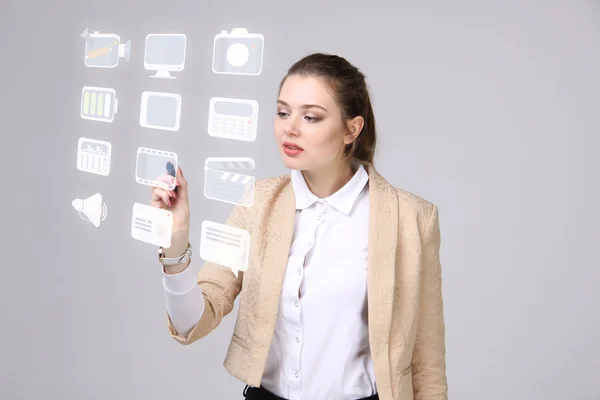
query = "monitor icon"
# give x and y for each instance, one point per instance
(103, 50)
(165, 53)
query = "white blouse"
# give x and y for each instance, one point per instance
(320, 347)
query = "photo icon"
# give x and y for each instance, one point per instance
(238, 52)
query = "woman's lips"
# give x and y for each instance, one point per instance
(291, 150)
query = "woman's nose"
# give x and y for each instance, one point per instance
(291, 128)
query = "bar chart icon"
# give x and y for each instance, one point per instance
(98, 104)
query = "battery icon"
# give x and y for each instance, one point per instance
(98, 104)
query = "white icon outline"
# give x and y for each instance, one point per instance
(163, 70)
(225, 245)
(151, 182)
(144, 110)
(243, 34)
(215, 118)
(100, 163)
(92, 209)
(109, 107)
(229, 172)
(151, 225)
(124, 49)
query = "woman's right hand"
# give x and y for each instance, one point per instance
(177, 202)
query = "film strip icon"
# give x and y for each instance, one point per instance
(227, 180)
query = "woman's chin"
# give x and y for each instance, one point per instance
(290, 162)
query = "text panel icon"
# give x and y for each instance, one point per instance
(104, 50)
(238, 52)
(160, 111)
(225, 245)
(227, 180)
(94, 156)
(98, 104)
(235, 119)
(91, 209)
(151, 225)
(165, 53)
(156, 168)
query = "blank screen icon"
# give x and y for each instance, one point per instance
(160, 111)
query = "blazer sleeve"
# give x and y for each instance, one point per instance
(429, 355)
(219, 287)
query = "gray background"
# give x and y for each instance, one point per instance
(488, 109)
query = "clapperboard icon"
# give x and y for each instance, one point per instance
(225, 245)
(227, 180)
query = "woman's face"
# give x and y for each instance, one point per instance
(308, 117)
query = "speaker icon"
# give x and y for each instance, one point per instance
(91, 209)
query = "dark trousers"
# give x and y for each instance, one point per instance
(260, 393)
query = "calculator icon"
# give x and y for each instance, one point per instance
(94, 156)
(234, 119)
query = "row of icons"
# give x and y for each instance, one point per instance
(228, 118)
(219, 243)
(227, 179)
(236, 53)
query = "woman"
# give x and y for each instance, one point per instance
(342, 296)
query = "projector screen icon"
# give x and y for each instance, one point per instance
(165, 53)
(238, 52)
(104, 50)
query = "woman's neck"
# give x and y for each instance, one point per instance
(328, 181)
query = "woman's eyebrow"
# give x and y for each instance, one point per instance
(305, 106)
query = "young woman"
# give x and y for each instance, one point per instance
(342, 297)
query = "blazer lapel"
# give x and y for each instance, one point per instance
(277, 239)
(381, 260)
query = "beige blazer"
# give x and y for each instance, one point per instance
(405, 308)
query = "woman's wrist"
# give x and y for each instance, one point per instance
(178, 247)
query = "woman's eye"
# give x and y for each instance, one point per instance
(311, 119)
(281, 114)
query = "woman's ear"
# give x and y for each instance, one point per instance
(354, 127)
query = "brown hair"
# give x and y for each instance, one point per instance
(349, 88)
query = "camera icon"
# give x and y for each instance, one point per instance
(238, 52)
